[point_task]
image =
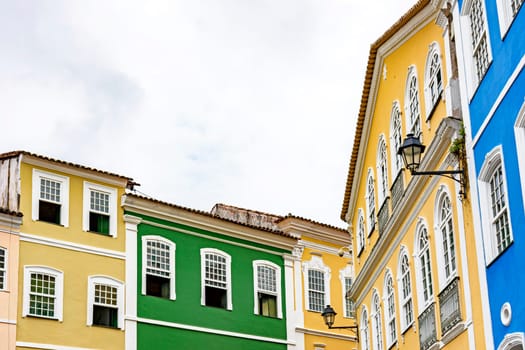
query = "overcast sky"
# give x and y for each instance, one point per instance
(250, 103)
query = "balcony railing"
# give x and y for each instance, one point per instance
(427, 328)
(450, 312)
(397, 189)
(383, 215)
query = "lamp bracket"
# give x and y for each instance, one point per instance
(355, 330)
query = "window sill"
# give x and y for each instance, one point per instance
(49, 222)
(494, 258)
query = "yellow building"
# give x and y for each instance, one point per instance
(320, 278)
(72, 254)
(416, 283)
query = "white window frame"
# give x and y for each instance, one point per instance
(382, 170)
(109, 281)
(423, 265)
(112, 192)
(172, 250)
(59, 290)
(431, 79)
(396, 139)
(506, 15)
(370, 202)
(389, 301)
(471, 73)
(377, 327)
(445, 241)
(519, 132)
(401, 278)
(256, 290)
(3, 271)
(316, 263)
(361, 236)
(227, 257)
(64, 195)
(493, 160)
(413, 120)
(363, 328)
(511, 340)
(345, 275)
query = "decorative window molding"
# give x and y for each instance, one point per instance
(390, 310)
(216, 285)
(396, 139)
(105, 306)
(377, 327)
(363, 328)
(50, 198)
(382, 171)
(495, 210)
(513, 341)
(345, 276)
(433, 79)
(316, 277)
(412, 104)
(158, 267)
(404, 284)
(423, 266)
(370, 202)
(3, 268)
(519, 132)
(507, 11)
(360, 231)
(445, 240)
(43, 292)
(99, 209)
(267, 289)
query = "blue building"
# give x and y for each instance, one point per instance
(490, 41)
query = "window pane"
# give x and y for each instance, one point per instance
(99, 223)
(267, 305)
(105, 316)
(215, 270)
(99, 202)
(49, 212)
(316, 290)
(50, 190)
(215, 297)
(266, 279)
(42, 295)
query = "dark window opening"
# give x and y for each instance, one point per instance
(215, 297)
(49, 212)
(105, 316)
(157, 286)
(99, 223)
(267, 305)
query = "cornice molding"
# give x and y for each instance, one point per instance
(324, 334)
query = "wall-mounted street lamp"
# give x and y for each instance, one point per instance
(411, 151)
(329, 319)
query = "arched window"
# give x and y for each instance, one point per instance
(446, 227)
(316, 277)
(370, 202)
(382, 171)
(216, 279)
(267, 289)
(405, 292)
(363, 326)
(395, 139)
(412, 107)
(390, 310)
(433, 79)
(158, 267)
(360, 231)
(425, 271)
(377, 328)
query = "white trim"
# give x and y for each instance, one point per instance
(382, 185)
(364, 337)
(59, 290)
(319, 333)
(316, 264)
(43, 346)
(433, 50)
(361, 235)
(386, 307)
(395, 159)
(506, 314)
(377, 327)
(505, 16)
(131, 223)
(346, 273)
(7, 321)
(370, 202)
(421, 227)
(402, 301)
(26, 237)
(203, 251)
(511, 340)
(110, 281)
(213, 331)
(86, 203)
(172, 251)
(64, 194)
(278, 282)
(412, 73)
(519, 132)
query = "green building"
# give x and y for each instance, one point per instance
(199, 280)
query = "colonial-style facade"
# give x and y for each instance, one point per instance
(416, 280)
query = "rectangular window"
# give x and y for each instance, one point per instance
(158, 269)
(42, 295)
(49, 204)
(316, 290)
(99, 212)
(479, 39)
(216, 279)
(3, 269)
(349, 304)
(500, 220)
(50, 198)
(105, 307)
(267, 291)
(100, 209)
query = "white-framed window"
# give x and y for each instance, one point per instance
(423, 265)
(445, 235)
(433, 78)
(363, 327)
(158, 267)
(412, 105)
(395, 139)
(216, 281)
(100, 209)
(507, 11)
(476, 31)
(513, 341)
(382, 171)
(370, 202)
(345, 276)
(360, 231)
(267, 289)
(390, 310)
(377, 327)
(50, 198)
(405, 291)
(519, 132)
(495, 215)
(105, 306)
(43, 292)
(317, 284)
(3, 268)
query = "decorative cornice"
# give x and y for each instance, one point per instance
(325, 334)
